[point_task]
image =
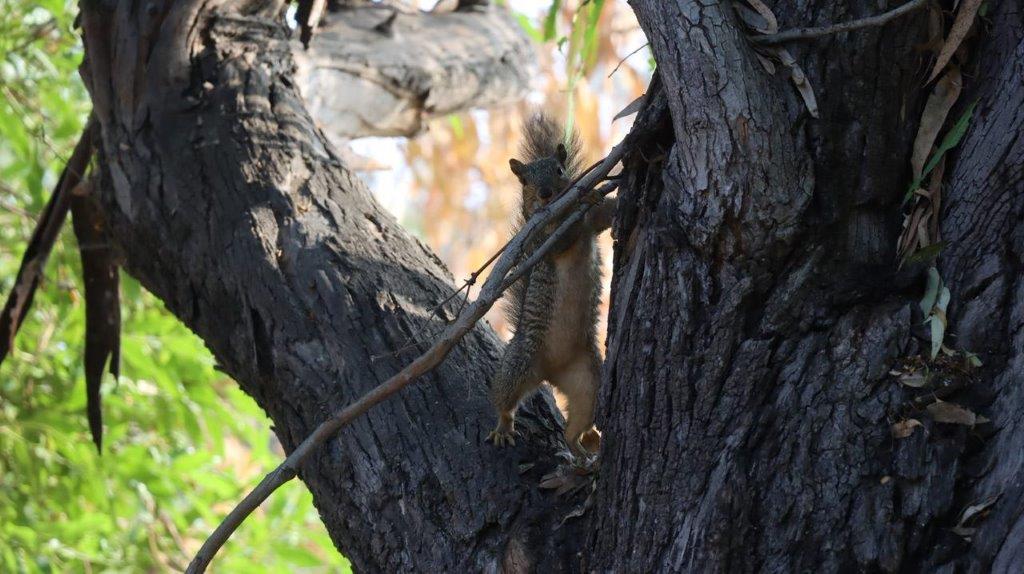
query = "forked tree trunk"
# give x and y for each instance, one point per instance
(756, 312)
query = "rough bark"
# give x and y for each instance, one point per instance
(228, 204)
(756, 313)
(374, 71)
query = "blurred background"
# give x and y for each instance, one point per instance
(182, 443)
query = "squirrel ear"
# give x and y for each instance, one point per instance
(561, 154)
(517, 166)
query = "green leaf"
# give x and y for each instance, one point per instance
(938, 331)
(455, 121)
(593, 15)
(931, 291)
(943, 301)
(551, 21)
(926, 253)
(953, 137)
(527, 25)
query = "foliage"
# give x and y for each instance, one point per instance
(184, 443)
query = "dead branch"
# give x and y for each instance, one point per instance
(33, 263)
(817, 32)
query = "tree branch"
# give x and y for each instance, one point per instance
(496, 283)
(810, 33)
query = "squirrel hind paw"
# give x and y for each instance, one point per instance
(502, 437)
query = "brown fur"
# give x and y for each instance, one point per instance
(555, 307)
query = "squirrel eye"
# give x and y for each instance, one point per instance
(561, 171)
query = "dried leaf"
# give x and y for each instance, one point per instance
(552, 480)
(905, 428)
(765, 63)
(952, 413)
(941, 100)
(799, 79)
(964, 18)
(631, 108)
(938, 331)
(914, 380)
(964, 531)
(770, 21)
(976, 509)
(909, 237)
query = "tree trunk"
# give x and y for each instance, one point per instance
(746, 404)
(757, 313)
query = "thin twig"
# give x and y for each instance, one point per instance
(491, 290)
(626, 57)
(809, 33)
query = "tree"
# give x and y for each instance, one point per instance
(757, 310)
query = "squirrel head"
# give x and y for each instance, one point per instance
(543, 179)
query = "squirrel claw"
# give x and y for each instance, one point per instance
(502, 438)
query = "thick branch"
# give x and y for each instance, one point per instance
(373, 71)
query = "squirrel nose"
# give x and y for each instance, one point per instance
(544, 193)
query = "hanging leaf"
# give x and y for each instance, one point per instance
(771, 23)
(938, 331)
(799, 79)
(964, 18)
(943, 301)
(941, 100)
(951, 140)
(931, 291)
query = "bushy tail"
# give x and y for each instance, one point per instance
(541, 136)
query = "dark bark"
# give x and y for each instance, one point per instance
(746, 404)
(756, 312)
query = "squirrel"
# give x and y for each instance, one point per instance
(554, 308)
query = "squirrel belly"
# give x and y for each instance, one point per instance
(554, 308)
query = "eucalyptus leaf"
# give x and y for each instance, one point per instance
(931, 291)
